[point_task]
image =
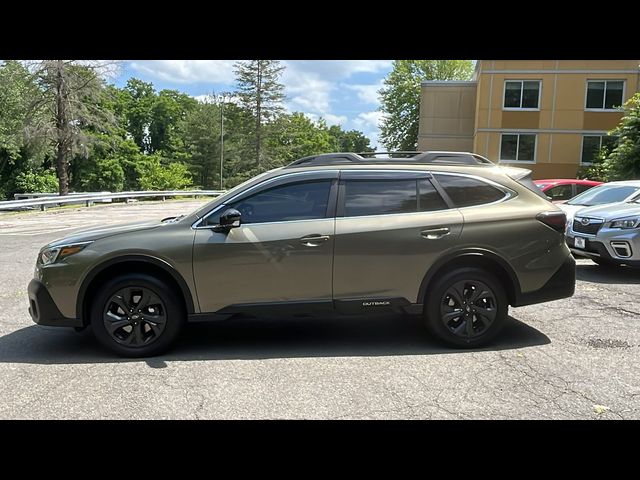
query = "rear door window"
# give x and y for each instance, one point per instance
(467, 191)
(429, 199)
(385, 196)
(379, 197)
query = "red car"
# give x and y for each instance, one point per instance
(562, 189)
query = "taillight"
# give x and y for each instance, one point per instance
(555, 220)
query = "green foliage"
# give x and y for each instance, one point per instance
(107, 174)
(155, 176)
(295, 136)
(59, 116)
(138, 98)
(348, 141)
(623, 163)
(261, 94)
(598, 170)
(17, 151)
(622, 160)
(169, 109)
(202, 138)
(36, 181)
(400, 97)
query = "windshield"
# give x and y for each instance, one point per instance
(603, 194)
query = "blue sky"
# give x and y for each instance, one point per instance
(341, 91)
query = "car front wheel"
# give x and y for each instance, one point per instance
(466, 308)
(136, 315)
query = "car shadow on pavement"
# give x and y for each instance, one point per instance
(609, 275)
(250, 339)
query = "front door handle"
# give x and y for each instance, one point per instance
(435, 233)
(314, 240)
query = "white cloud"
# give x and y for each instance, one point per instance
(368, 93)
(340, 69)
(310, 83)
(368, 122)
(368, 119)
(306, 91)
(187, 71)
(335, 119)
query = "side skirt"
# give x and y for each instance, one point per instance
(313, 308)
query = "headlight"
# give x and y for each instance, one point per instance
(53, 254)
(626, 223)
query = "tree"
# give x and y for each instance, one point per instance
(17, 153)
(623, 163)
(169, 109)
(400, 97)
(155, 176)
(202, 137)
(261, 93)
(349, 141)
(295, 136)
(68, 99)
(138, 98)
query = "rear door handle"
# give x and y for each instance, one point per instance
(435, 233)
(314, 240)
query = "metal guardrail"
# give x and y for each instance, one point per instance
(89, 198)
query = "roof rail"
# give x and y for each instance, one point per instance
(391, 154)
(443, 158)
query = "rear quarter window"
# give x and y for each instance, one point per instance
(467, 192)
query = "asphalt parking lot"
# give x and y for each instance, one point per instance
(577, 358)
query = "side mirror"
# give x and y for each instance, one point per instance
(230, 218)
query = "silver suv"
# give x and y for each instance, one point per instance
(608, 234)
(447, 236)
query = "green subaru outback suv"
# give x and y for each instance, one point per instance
(448, 236)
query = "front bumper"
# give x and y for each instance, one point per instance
(43, 309)
(595, 248)
(561, 285)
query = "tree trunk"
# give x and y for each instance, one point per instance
(258, 112)
(62, 125)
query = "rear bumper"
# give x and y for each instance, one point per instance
(561, 285)
(43, 309)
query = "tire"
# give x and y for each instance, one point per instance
(605, 262)
(485, 324)
(145, 332)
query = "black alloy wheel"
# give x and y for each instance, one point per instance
(135, 316)
(468, 308)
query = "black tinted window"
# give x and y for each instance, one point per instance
(297, 201)
(561, 192)
(583, 188)
(379, 197)
(465, 191)
(429, 199)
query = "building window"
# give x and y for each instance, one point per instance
(518, 147)
(522, 94)
(592, 144)
(604, 94)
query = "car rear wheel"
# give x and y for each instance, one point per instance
(136, 315)
(466, 308)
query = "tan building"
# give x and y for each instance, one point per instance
(551, 116)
